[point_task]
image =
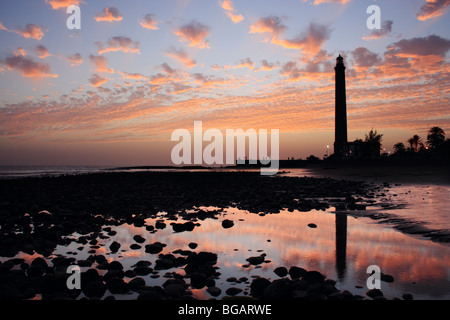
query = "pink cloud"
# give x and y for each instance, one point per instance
(97, 80)
(100, 63)
(194, 34)
(62, 4)
(227, 5)
(75, 59)
(386, 29)
(42, 52)
(33, 31)
(432, 9)
(132, 76)
(245, 63)
(109, 14)
(118, 43)
(149, 22)
(181, 56)
(28, 67)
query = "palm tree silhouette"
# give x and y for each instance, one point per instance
(374, 138)
(435, 137)
(415, 142)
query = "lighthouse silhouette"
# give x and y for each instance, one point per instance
(340, 132)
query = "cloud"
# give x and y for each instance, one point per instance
(33, 31)
(149, 22)
(28, 67)
(118, 43)
(365, 58)
(425, 46)
(267, 66)
(181, 56)
(41, 52)
(62, 4)
(310, 42)
(245, 63)
(432, 9)
(167, 69)
(386, 29)
(75, 59)
(194, 34)
(132, 76)
(100, 63)
(109, 14)
(227, 5)
(317, 2)
(97, 80)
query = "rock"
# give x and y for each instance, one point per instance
(407, 296)
(256, 260)
(136, 283)
(94, 289)
(39, 263)
(277, 290)
(232, 279)
(115, 265)
(151, 293)
(313, 277)
(139, 239)
(258, 286)
(386, 278)
(192, 245)
(114, 247)
(214, 291)
(233, 291)
(198, 280)
(296, 272)
(312, 225)
(227, 223)
(142, 270)
(281, 271)
(336, 296)
(160, 224)
(135, 246)
(117, 286)
(154, 248)
(373, 293)
(180, 227)
(175, 290)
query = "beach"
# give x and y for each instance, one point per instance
(214, 235)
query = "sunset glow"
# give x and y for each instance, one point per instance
(112, 92)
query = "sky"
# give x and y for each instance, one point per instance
(112, 92)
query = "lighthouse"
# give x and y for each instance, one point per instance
(340, 132)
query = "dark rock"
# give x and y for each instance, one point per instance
(39, 263)
(233, 291)
(277, 290)
(407, 296)
(232, 279)
(313, 277)
(135, 246)
(180, 227)
(151, 293)
(154, 248)
(296, 272)
(198, 280)
(227, 223)
(192, 245)
(386, 278)
(281, 271)
(139, 239)
(373, 293)
(312, 225)
(136, 283)
(142, 271)
(258, 286)
(129, 274)
(214, 291)
(256, 260)
(113, 274)
(336, 296)
(94, 289)
(175, 290)
(114, 247)
(115, 265)
(143, 263)
(160, 224)
(117, 286)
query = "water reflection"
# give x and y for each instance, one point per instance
(341, 244)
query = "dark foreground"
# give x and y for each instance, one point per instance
(37, 214)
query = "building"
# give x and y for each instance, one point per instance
(340, 132)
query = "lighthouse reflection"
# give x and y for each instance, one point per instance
(341, 245)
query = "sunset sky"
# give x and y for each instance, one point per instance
(112, 92)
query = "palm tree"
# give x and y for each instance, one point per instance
(415, 142)
(435, 137)
(399, 148)
(374, 138)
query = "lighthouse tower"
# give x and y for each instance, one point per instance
(340, 132)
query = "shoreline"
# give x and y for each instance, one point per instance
(40, 213)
